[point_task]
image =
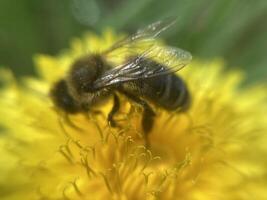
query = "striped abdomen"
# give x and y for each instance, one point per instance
(168, 91)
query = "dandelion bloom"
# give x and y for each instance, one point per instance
(216, 150)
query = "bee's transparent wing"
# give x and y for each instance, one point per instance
(147, 34)
(155, 61)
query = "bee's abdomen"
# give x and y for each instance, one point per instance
(167, 91)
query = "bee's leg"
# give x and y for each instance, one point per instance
(148, 114)
(114, 110)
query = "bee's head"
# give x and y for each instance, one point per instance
(84, 72)
(62, 98)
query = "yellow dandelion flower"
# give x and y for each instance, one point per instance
(216, 150)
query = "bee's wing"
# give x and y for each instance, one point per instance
(146, 34)
(155, 61)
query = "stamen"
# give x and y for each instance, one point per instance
(64, 193)
(76, 188)
(146, 176)
(85, 149)
(71, 124)
(65, 151)
(97, 126)
(89, 170)
(61, 125)
(106, 182)
(184, 163)
(118, 180)
(129, 142)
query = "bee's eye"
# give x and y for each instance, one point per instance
(62, 98)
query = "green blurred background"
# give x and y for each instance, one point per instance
(233, 29)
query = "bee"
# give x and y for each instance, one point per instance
(147, 76)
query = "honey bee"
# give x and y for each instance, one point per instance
(147, 76)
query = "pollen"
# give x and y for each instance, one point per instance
(214, 150)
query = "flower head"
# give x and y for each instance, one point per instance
(215, 150)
